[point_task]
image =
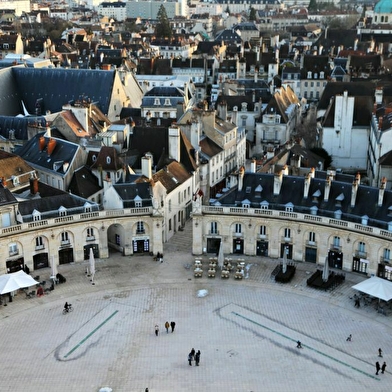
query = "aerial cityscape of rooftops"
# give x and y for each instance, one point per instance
(265, 125)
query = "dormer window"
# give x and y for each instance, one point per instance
(87, 207)
(322, 75)
(264, 205)
(36, 215)
(167, 102)
(138, 201)
(245, 203)
(258, 191)
(315, 196)
(62, 211)
(338, 200)
(157, 102)
(15, 180)
(309, 74)
(289, 207)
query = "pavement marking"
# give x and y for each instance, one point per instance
(310, 348)
(90, 334)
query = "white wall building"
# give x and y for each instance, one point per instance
(117, 10)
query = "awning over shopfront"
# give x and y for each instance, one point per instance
(376, 287)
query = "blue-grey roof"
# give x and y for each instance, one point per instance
(292, 191)
(128, 193)
(19, 125)
(58, 86)
(63, 152)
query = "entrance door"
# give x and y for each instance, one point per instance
(262, 248)
(87, 251)
(66, 256)
(335, 259)
(213, 245)
(238, 246)
(141, 246)
(41, 260)
(311, 255)
(288, 248)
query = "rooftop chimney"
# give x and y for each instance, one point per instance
(278, 180)
(307, 185)
(146, 167)
(381, 191)
(174, 142)
(241, 173)
(354, 189)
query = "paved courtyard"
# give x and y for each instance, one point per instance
(246, 331)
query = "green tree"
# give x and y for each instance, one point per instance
(163, 28)
(252, 14)
(312, 5)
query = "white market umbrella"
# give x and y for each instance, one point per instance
(221, 257)
(376, 287)
(284, 264)
(325, 275)
(92, 265)
(15, 281)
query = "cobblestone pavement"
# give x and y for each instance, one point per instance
(246, 331)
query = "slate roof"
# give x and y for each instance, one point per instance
(337, 88)
(106, 158)
(57, 86)
(49, 206)
(19, 125)
(362, 112)
(64, 151)
(292, 191)
(84, 183)
(209, 148)
(280, 102)
(6, 197)
(228, 36)
(128, 193)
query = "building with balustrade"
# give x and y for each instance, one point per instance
(314, 217)
(43, 225)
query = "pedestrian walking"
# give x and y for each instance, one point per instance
(173, 325)
(384, 365)
(380, 352)
(299, 344)
(377, 368)
(350, 337)
(167, 325)
(197, 357)
(193, 353)
(190, 359)
(357, 303)
(156, 330)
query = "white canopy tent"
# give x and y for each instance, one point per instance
(15, 281)
(376, 287)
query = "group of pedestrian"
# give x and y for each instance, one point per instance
(194, 356)
(172, 325)
(383, 366)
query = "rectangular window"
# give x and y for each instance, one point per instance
(214, 228)
(238, 228)
(13, 249)
(263, 230)
(312, 237)
(287, 233)
(138, 203)
(170, 207)
(39, 242)
(64, 236)
(387, 255)
(140, 227)
(336, 242)
(170, 226)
